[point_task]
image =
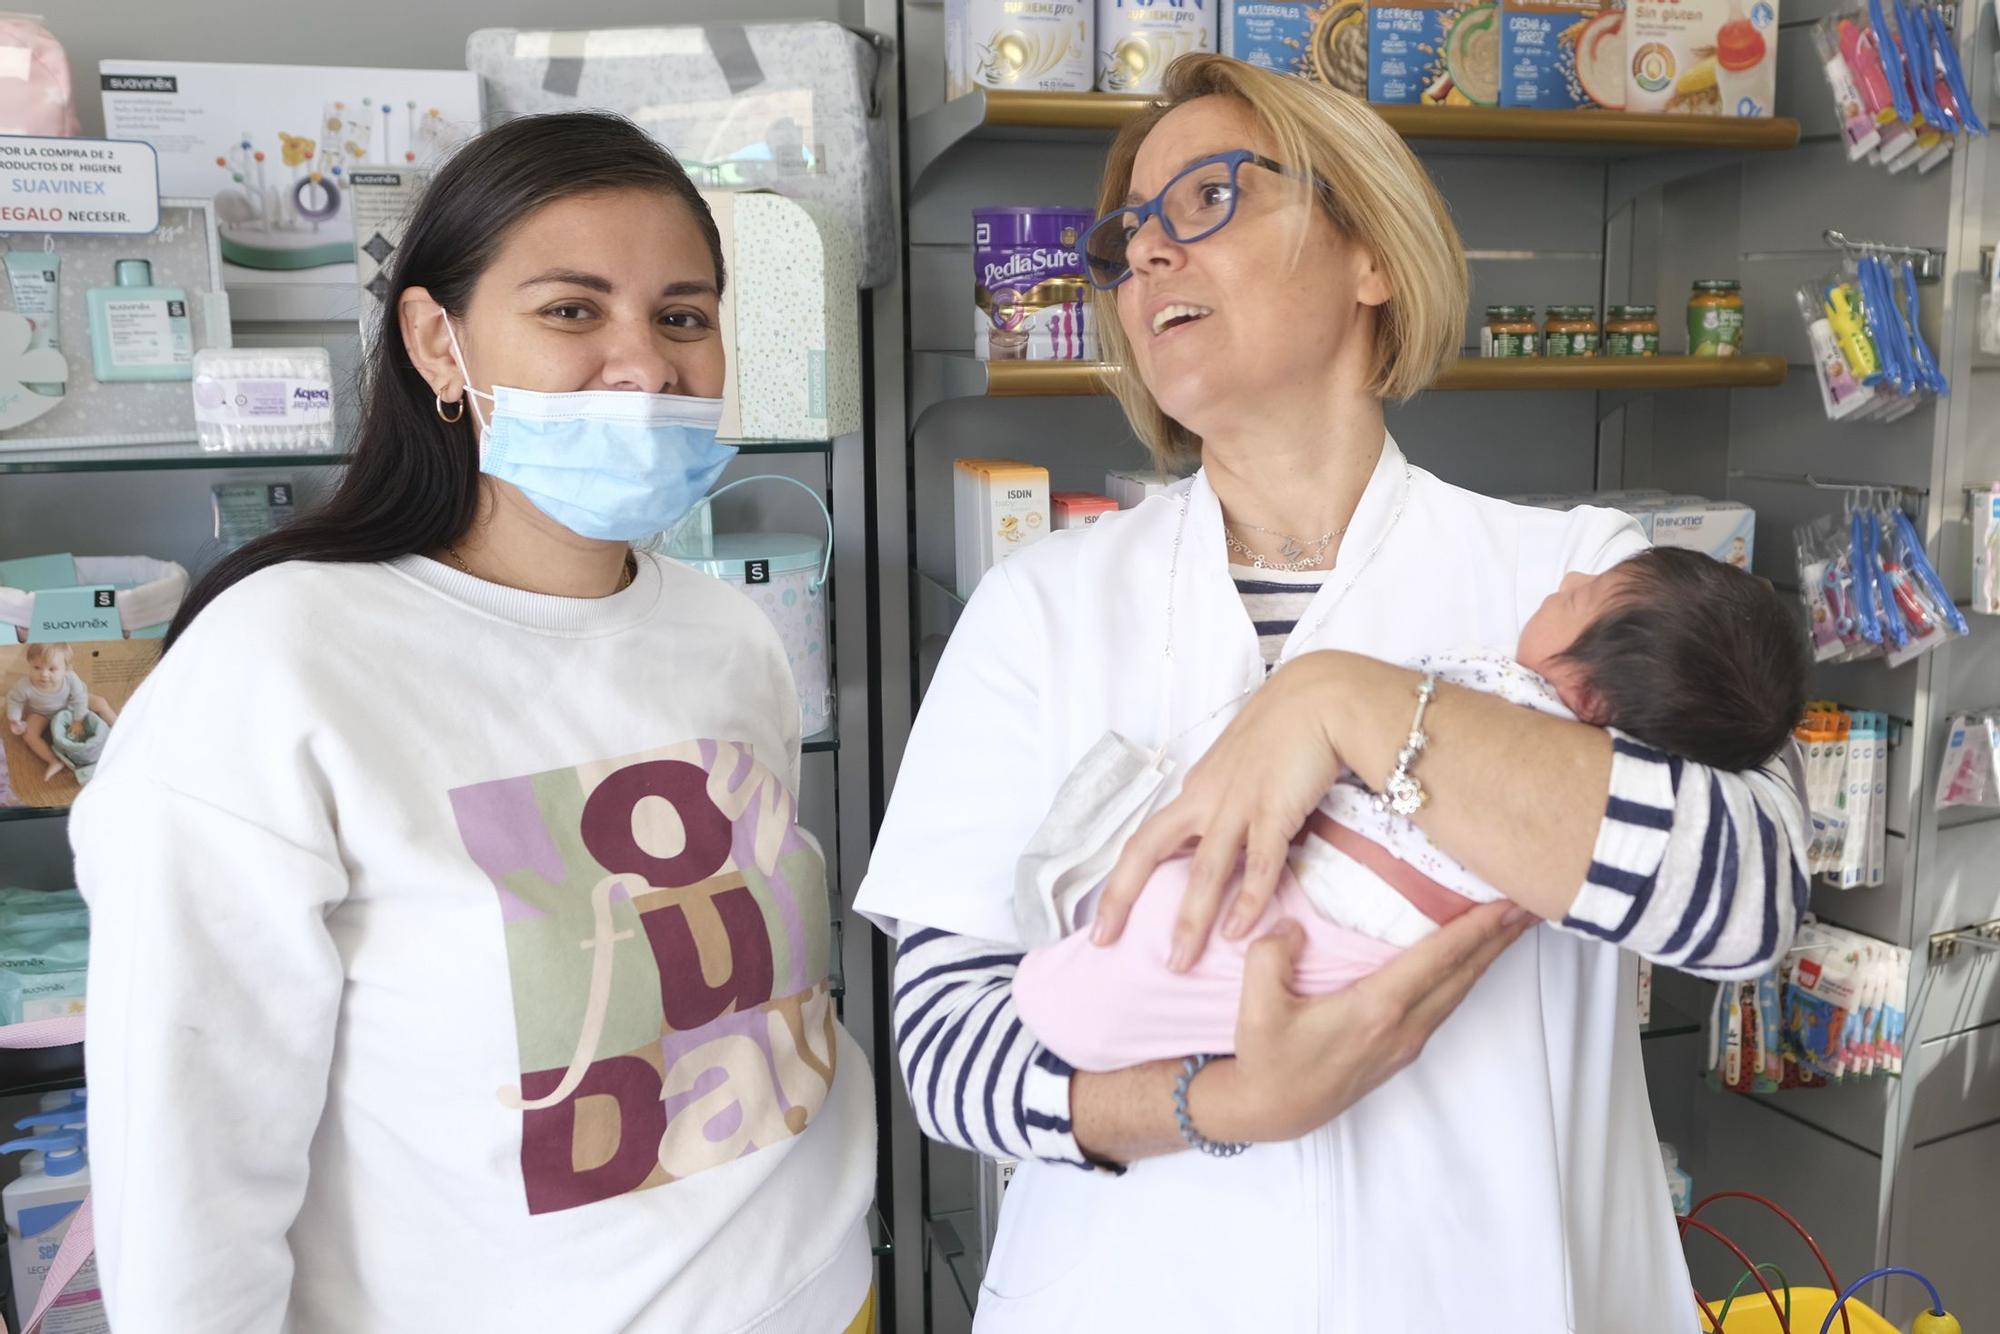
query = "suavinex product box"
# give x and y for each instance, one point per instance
(790, 319)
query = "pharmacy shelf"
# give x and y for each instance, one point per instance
(1668, 1020)
(150, 458)
(13, 813)
(989, 114)
(40, 1070)
(1641, 374)
(937, 376)
(187, 457)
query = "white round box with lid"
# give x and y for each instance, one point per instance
(785, 575)
(1138, 39)
(1042, 46)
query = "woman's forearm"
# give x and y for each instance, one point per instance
(1516, 795)
(1122, 1116)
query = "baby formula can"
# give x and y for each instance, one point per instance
(1043, 46)
(1029, 292)
(1138, 39)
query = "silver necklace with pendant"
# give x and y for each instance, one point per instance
(1294, 556)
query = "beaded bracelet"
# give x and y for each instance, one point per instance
(1191, 1067)
(1403, 794)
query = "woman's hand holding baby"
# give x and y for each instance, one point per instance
(1247, 797)
(1301, 1061)
(18, 728)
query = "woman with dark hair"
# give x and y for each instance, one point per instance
(457, 960)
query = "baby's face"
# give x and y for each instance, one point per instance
(49, 672)
(1565, 614)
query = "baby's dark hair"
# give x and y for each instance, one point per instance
(1698, 658)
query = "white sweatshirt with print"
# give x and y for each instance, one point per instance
(422, 998)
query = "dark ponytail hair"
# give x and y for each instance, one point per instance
(412, 482)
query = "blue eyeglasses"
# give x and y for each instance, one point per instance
(1197, 203)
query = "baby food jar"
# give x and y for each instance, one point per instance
(1571, 331)
(1632, 331)
(1509, 332)
(1715, 318)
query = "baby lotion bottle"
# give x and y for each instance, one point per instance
(39, 1206)
(139, 331)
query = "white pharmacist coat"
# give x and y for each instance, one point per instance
(1510, 1179)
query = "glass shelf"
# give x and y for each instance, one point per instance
(150, 458)
(40, 1070)
(879, 1240)
(954, 1235)
(170, 458)
(988, 114)
(1669, 1021)
(822, 742)
(11, 813)
(780, 446)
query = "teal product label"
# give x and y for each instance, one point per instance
(31, 574)
(816, 382)
(64, 614)
(1405, 52)
(1271, 34)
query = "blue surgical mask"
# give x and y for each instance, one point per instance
(616, 465)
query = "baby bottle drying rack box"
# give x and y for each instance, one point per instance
(791, 320)
(276, 147)
(124, 316)
(789, 107)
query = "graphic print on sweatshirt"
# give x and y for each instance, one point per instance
(668, 940)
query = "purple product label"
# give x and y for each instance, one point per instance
(1019, 247)
(1028, 274)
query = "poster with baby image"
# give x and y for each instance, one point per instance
(281, 148)
(63, 699)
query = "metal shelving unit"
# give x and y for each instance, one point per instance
(1564, 177)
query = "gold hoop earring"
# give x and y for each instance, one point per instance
(454, 419)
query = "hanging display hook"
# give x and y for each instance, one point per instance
(1928, 263)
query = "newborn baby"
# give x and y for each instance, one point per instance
(1687, 654)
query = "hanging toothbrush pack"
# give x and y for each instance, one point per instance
(1897, 84)
(1865, 328)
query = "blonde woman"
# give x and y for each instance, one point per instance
(1273, 267)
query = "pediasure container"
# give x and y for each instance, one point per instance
(785, 575)
(1029, 294)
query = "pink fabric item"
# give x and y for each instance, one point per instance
(1108, 1008)
(35, 93)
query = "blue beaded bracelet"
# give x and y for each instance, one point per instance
(1191, 1067)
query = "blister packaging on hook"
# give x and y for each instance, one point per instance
(1857, 122)
(1841, 392)
(1830, 591)
(1861, 51)
(1970, 774)
(1988, 320)
(1983, 507)
(1917, 595)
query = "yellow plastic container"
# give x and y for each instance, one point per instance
(1752, 1313)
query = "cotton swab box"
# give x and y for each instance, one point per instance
(264, 400)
